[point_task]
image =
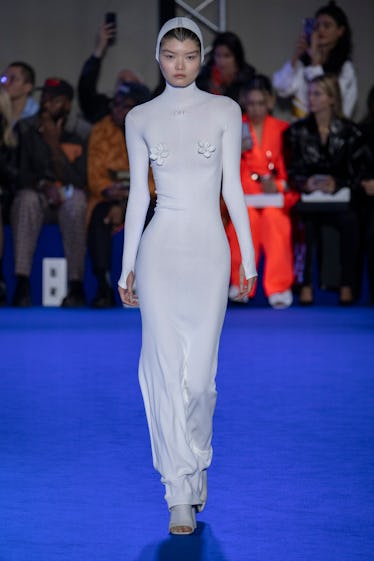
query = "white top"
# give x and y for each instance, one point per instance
(193, 140)
(293, 81)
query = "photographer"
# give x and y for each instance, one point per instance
(96, 105)
(327, 49)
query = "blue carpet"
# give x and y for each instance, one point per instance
(292, 474)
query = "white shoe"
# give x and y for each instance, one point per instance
(233, 295)
(182, 520)
(281, 300)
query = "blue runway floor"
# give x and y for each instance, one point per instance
(292, 473)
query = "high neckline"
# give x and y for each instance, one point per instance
(181, 94)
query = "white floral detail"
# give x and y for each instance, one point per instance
(159, 153)
(205, 148)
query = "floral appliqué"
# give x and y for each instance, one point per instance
(159, 153)
(205, 148)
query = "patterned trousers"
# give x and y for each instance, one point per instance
(30, 210)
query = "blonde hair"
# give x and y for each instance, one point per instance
(330, 86)
(8, 136)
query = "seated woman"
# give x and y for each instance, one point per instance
(326, 51)
(226, 70)
(263, 172)
(325, 152)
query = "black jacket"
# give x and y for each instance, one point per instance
(34, 156)
(345, 156)
(94, 105)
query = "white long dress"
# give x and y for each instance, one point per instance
(182, 270)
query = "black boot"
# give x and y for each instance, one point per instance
(75, 296)
(22, 294)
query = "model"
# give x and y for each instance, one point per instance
(182, 261)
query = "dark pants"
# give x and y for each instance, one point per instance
(99, 239)
(347, 225)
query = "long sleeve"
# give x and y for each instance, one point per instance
(288, 79)
(93, 105)
(138, 198)
(232, 190)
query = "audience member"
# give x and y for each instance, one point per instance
(366, 194)
(19, 81)
(52, 180)
(108, 181)
(325, 152)
(96, 105)
(327, 50)
(8, 173)
(263, 172)
(226, 70)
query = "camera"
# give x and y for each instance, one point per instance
(111, 19)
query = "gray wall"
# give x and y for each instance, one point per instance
(56, 36)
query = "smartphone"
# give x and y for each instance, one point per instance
(111, 18)
(309, 24)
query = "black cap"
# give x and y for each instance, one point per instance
(56, 87)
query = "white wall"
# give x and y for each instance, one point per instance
(56, 36)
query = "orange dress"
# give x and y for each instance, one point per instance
(270, 226)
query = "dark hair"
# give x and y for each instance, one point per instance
(259, 82)
(27, 71)
(181, 34)
(343, 48)
(233, 43)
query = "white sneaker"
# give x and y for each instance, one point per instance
(281, 300)
(234, 295)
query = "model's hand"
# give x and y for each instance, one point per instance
(106, 31)
(368, 185)
(127, 294)
(245, 286)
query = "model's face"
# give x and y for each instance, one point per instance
(224, 59)
(328, 31)
(14, 83)
(257, 105)
(179, 61)
(318, 99)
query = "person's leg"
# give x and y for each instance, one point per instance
(311, 226)
(71, 219)
(348, 227)
(275, 236)
(99, 243)
(27, 216)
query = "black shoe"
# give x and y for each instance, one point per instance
(104, 299)
(22, 294)
(2, 293)
(75, 297)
